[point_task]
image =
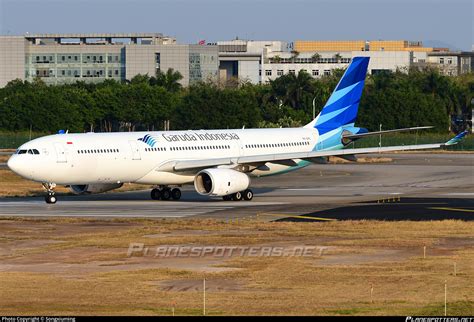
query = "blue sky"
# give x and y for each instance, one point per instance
(438, 22)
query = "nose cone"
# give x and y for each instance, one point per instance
(17, 165)
(12, 163)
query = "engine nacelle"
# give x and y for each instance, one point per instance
(94, 188)
(220, 182)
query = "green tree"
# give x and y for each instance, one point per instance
(315, 58)
(169, 80)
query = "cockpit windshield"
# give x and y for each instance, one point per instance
(29, 151)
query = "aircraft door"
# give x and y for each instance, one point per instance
(60, 152)
(135, 150)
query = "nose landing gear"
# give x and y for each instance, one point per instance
(50, 198)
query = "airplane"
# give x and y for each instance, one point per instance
(218, 162)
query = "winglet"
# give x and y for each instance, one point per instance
(458, 138)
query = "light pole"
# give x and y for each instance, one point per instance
(314, 108)
(380, 136)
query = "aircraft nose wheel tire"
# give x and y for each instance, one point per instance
(248, 194)
(155, 194)
(51, 199)
(237, 196)
(176, 194)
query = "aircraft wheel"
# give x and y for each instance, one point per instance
(155, 194)
(237, 196)
(176, 194)
(248, 194)
(166, 194)
(51, 199)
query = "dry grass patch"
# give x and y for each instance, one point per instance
(405, 285)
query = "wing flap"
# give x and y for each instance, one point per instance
(287, 158)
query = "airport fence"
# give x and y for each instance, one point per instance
(10, 140)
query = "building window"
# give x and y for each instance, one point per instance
(315, 72)
(327, 72)
(280, 72)
(292, 71)
(441, 60)
(450, 61)
(268, 72)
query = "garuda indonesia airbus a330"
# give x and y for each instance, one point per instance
(217, 162)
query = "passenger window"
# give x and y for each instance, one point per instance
(30, 151)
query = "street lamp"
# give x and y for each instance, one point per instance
(314, 108)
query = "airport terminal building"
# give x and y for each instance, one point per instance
(319, 58)
(66, 58)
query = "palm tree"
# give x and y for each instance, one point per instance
(337, 57)
(169, 80)
(297, 85)
(276, 59)
(315, 58)
(294, 55)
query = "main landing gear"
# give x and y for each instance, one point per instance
(241, 195)
(50, 197)
(165, 193)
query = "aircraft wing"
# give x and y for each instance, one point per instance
(184, 165)
(363, 135)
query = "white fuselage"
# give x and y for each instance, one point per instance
(74, 159)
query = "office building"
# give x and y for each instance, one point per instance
(66, 58)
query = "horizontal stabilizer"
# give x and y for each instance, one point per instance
(362, 135)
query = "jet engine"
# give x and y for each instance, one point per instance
(220, 182)
(94, 188)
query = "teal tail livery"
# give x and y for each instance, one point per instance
(341, 108)
(335, 123)
(456, 139)
(219, 163)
